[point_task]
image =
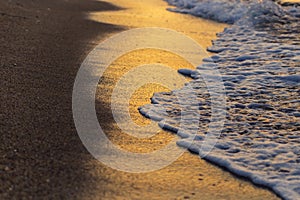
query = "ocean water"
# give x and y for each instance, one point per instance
(258, 57)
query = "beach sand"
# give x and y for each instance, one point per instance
(41, 156)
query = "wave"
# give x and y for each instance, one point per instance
(260, 67)
(232, 11)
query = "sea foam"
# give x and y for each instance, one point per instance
(231, 11)
(258, 58)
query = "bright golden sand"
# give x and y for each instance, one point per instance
(188, 177)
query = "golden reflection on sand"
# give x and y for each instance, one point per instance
(189, 177)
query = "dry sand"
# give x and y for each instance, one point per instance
(41, 156)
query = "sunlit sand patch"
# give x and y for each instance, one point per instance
(189, 177)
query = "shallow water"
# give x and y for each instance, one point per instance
(260, 66)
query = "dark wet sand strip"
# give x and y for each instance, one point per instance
(42, 45)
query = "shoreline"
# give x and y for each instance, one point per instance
(189, 177)
(240, 161)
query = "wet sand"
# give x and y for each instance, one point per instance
(188, 177)
(42, 46)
